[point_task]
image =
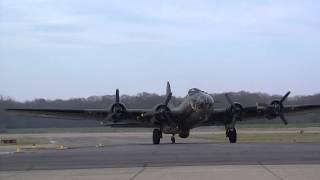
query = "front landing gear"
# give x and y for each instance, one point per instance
(157, 135)
(232, 135)
(173, 139)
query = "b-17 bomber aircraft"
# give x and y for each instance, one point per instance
(197, 109)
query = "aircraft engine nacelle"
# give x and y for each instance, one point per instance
(163, 116)
(162, 112)
(184, 134)
(117, 111)
(233, 111)
(117, 108)
(275, 109)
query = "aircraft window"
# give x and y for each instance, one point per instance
(193, 91)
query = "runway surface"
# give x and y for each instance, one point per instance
(131, 156)
(191, 153)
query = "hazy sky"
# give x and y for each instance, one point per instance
(77, 48)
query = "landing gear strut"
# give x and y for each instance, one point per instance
(173, 139)
(232, 135)
(157, 135)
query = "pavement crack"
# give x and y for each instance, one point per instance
(139, 172)
(270, 171)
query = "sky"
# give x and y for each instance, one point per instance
(78, 48)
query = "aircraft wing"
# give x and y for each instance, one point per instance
(221, 116)
(130, 116)
(73, 114)
(117, 115)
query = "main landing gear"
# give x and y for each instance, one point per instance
(231, 133)
(157, 135)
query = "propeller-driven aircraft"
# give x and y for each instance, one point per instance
(197, 109)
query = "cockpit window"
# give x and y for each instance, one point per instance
(193, 91)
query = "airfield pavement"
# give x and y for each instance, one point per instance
(132, 156)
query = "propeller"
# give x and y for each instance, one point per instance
(117, 109)
(236, 106)
(229, 100)
(234, 109)
(275, 108)
(280, 112)
(161, 109)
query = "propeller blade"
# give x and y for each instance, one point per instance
(229, 99)
(168, 94)
(283, 118)
(285, 97)
(168, 88)
(117, 96)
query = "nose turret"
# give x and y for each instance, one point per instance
(202, 102)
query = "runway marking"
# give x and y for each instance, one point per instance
(270, 171)
(139, 172)
(6, 153)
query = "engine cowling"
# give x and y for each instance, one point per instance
(163, 116)
(274, 110)
(162, 112)
(117, 110)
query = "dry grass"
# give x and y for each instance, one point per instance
(266, 138)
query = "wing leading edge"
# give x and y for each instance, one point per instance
(127, 118)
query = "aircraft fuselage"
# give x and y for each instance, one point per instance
(196, 108)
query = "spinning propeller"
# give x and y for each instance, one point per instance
(276, 108)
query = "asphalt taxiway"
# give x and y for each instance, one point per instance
(164, 155)
(131, 155)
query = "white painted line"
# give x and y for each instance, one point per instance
(6, 153)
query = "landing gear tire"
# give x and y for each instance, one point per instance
(157, 134)
(173, 140)
(232, 135)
